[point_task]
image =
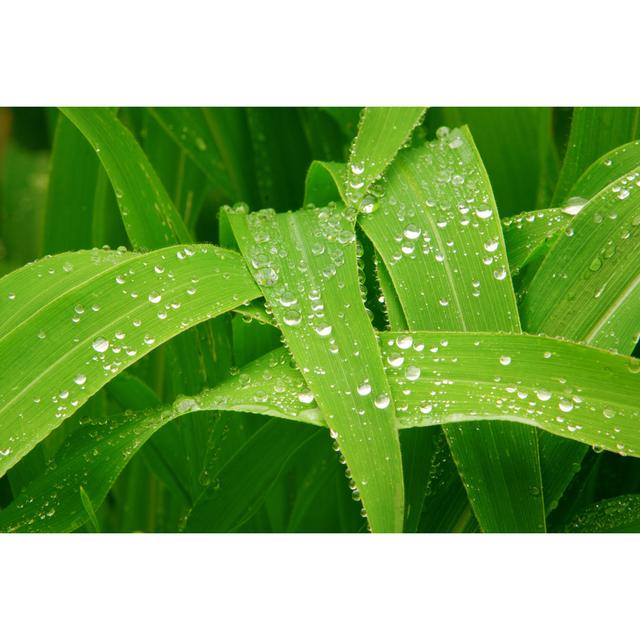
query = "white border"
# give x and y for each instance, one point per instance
(308, 586)
(347, 52)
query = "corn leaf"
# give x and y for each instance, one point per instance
(613, 515)
(594, 131)
(439, 235)
(148, 214)
(382, 132)
(69, 323)
(305, 263)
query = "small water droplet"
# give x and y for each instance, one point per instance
(364, 389)
(305, 396)
(382, 401)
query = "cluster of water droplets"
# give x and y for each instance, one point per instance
(427, 381)
(111, 325)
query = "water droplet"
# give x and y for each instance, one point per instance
(412, 373)
(395, 359)
(543, 395)
(574, 205)
(425, 408)
(305, 396)
(483, 214)
(505, 360)
(608, 413)
(266, 277)
(292, 318)
(411, 232)
(100, 345)
(565, 405)
(500, 274)
(364, 389)
(404, 342)
(323, 329)
(149, 340)
(80, 379)
(382, 401)
(357, 168)
(154, 297)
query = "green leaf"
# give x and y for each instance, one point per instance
(439, 235)
(24, 188)
(594, 298)
(594, 271)
(305, 263)
(183, 180)
(607, 169)
(438, 377)
(281, 156)
(217, 141)
(62, 317)
(80, 210)
(148, 214)
(382, 132)
(614, 515)
(239, 488)
(517, 148)
(528, 234)
(90, 461)
(594, 131)
(324, 183)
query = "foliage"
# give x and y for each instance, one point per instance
(319, 319)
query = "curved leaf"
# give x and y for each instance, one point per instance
(305, 263)
(594, 131)
(69, 323)
(438, 232)
(382, 132)
(614, 515)
(155, 221)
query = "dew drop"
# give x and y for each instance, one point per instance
(411, 232)
(382, 401)
(574, 205)
(543, 395)
(305, 396)
(364, 389)
(500, 274)
(100, 345)
(395, 359)
(565, 405)
(505, 360)
(292, 318)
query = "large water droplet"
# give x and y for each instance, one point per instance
(100, 345)
(574, 205)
